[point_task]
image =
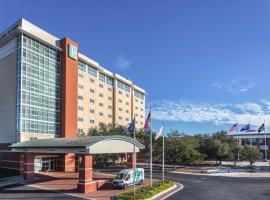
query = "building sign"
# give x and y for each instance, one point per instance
(72, 51)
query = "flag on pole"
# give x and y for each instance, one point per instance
(147, 125)
(245, 128)
(160, 133)
(131, 126)
(233, 128)
(261, 128)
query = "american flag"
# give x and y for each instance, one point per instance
(147, 125)
(233, 128)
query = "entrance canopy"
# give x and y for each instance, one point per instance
(80, 145)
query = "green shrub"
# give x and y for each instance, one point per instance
(145, 191)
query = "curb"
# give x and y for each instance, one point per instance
(156, 197)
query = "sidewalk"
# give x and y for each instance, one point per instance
(9, 181)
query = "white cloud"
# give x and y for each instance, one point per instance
(217, 113)
(235, 86)
(122, 63)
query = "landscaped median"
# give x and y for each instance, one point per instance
(146, 191)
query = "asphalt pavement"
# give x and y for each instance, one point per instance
(195, 188)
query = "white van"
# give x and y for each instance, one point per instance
(125, 177)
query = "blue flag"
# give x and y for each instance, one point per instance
(245, 128)
(131, 126)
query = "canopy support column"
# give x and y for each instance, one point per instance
(131, 160)
(28, 166)
(86, 183)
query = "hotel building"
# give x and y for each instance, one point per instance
(48, 90)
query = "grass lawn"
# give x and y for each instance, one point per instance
(145, 191)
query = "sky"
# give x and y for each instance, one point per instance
(204, 64)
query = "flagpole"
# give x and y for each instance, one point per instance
(250, 134)
(163, 154)
(151, 176)
(238, 144)
(265, 150)
(134, 157)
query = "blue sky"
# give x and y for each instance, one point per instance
(205, 64)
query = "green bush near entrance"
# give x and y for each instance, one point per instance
(145, 191)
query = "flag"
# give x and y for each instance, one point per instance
(245, 128)
(131, 126)
(160, 133)
(261, 128)
(147, 125)
(233, 128)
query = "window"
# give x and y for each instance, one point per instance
(141, 109)
(80, 131)
(136, 107)
(80, 97)
(261, 141)
(120, 109)
(101, 123)
(91, 121)
(80, 108)
(80, 86)
(100, 95)
(127, 95)
(92, 71)
(39, 105)
(82, 67)
(127, 111)
(80, 76)
(100, 114)
(100, 85)
(109, 89)
(92, 80)
(120, 100)
(127, 119)
(136, 100)
(120, 92)
(120, 118)
(80, 119)
(123, 86)
(109, 81)
(127, 103)
(102, 77)
(110, 98)
(92, 111)
(92, 101)
(141, 116)
(138, 94)
(110, 116)
(92, 91)
(100, 104)
(110, 107)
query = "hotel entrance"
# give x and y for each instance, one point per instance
(46, 163)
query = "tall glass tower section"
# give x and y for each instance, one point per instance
(38, 87)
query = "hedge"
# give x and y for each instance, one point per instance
(145, 191)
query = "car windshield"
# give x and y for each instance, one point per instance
(120, 176)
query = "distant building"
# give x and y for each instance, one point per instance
(254, 139)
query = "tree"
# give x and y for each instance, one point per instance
(251, 154)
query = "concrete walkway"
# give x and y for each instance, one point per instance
(236, 174)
